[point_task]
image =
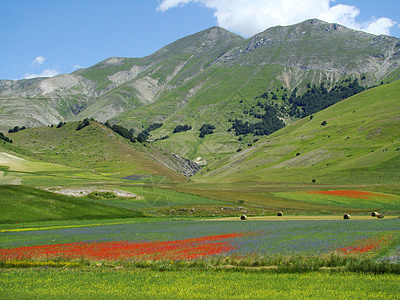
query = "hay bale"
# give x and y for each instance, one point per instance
(374, 214)
(243, 217)
(279, 214)
(380, 216)
(346, 216)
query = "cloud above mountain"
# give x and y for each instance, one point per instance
(45, 73)
(253, 16)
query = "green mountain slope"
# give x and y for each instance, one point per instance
(360, 143)
(201, 79)
(97, 149)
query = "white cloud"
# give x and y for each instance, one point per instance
(45, 73)
(380, 26)
(39, 60)
(253, 16)
(77, 67)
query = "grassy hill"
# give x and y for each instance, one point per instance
(25, 204)
(94, 149)
(360, 143)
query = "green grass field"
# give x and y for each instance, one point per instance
(25, 204)
(192, 284)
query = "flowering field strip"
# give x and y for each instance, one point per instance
(352, 194)
(352, 199)
(185, 239)
(180, 249)
(393, 255)
(367, 246)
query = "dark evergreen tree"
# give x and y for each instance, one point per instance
(122, 131)
(83, 124)
(181, 128)
(206, 129)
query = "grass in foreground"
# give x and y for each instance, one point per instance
(192, 284)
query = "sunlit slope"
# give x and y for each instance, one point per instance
(96, 148)
(360, 143)
(26, 204)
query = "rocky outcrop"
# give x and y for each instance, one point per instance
(188, 168)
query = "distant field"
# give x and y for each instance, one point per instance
(299, 218)
(347, 199)
(179, 238)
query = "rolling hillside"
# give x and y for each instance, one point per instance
(352, 142)
(94, 149)
(25, 204)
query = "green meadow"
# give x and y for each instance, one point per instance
(193, 284)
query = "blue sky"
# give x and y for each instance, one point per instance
(50, 37)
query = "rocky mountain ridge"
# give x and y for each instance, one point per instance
(162, 86)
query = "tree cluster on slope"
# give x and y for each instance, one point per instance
(16, 129)
(269, 123)
(319, 98)
(182, 128)
(129, 134)
(4, 138)
(83, 124)
(290, 105)
(206, 129)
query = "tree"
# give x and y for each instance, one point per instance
(83, 124)
(141, 138)
(122, 131)
(206, 129)
(181, 128)
(4, 138)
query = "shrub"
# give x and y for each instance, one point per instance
(97, 195)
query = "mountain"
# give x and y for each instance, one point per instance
(111, 86)
(205, 78)
(356, 141)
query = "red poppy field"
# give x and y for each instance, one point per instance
(367, 246)
(351, 194)
(193, 248)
